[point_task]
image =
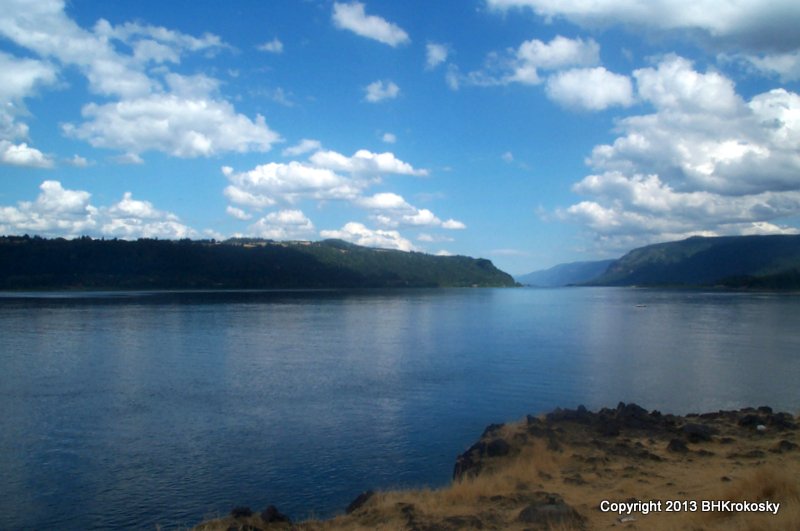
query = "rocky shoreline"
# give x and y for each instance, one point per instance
(622, 467)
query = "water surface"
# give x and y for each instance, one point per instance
(131, 409)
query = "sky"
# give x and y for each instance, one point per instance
(529, 132)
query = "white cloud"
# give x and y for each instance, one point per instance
(559, 53)
(453, 224)
(524, 64)
(273, 46)
(433, 238)
(704, 162)
(435, 54)
(306, 145)
(591, 89)
(23, 155)
(384, 201)
(128, 158)
(353, 17)
(268, 183)
(365, 162)
(238, 213)
(149, 108)
(380, 90)
(392, 210)
(283, 225)
(784, 65)
(748, 24)
(61, 212)
(361, 235)
(507, 157)
(79, 162)
(389, 138)
(174, 125)
(19, 80)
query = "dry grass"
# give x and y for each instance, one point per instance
(584, 474)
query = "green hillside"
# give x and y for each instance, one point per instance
(771, 262)
(85, 263)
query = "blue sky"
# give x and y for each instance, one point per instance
(530, 132)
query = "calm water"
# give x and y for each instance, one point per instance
(127, 410)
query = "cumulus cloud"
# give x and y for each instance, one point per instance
(435, 54)
(238, 213)
(706, 161)
(20, 79)
(559, 53)
(273, 46)
(23, 155)
(353, 17)
(144, 108)
(269, 183)
(359, 234)
(764, 38)
(392, 210)
(306, 145)
(283, 225)
(364, 162)
(79, 162)
(726, 22)
(58, 211)
(328, 175)
(178, 126)
(591, 89)
(524, 65)
(381, 90)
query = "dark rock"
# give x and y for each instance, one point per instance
(465, 466)
(532, 421)
(677, 446)
(550, 510)
(765, 410)
(241, 512)
(784, 446)
(463, 522)
(581, 415)
(698, 432)
(752, 454)
(491, 429)
(359, 502)
(498, 448)
(609, 427)
(782, 421)
(272, 514)
(576, 479)
(751, 420)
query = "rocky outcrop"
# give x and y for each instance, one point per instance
(552, 470)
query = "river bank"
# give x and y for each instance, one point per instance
(625, 468)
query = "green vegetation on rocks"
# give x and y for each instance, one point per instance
(768, 262)
(86, 263)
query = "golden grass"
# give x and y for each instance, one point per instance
(585, 474)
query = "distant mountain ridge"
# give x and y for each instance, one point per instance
(565, 274)
(771, 262)
(86, 263)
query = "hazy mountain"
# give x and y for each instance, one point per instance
(37, 263)
(734, 261)
(565, 274)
